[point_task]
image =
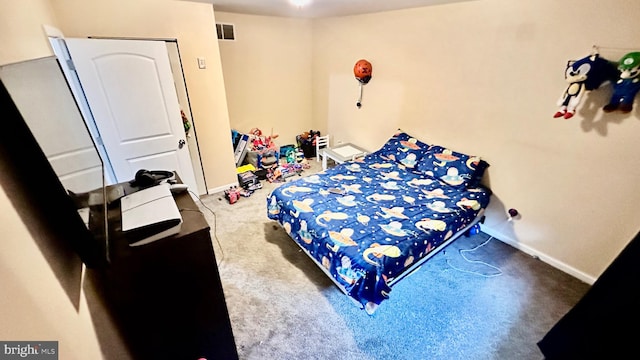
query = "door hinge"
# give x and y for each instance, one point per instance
(99, 141)
(70, 65)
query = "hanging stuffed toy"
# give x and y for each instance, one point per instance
(362, 70)
(627, 86)
(583, 75)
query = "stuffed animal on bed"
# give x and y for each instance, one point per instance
(583, 75)
(627, 86)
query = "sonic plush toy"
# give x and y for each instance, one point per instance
(627, 86)
(583, 75)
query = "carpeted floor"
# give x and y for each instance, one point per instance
(477, 299)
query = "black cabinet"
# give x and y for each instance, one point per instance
(166, 296)
(603, 324)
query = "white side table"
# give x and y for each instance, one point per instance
(341, 153)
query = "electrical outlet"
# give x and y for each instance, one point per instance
(513, 214)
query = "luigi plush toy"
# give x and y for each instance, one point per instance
(627, 86)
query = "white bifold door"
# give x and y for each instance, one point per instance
(131, 93)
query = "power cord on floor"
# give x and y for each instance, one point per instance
(215, 224)
(462, 251)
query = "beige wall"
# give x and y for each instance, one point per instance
(192, 24)
(35, 304)
(483, 77)
(267, 72)
(21, 30)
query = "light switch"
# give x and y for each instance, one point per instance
(202, 64)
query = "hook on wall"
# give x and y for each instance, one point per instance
(595, 50)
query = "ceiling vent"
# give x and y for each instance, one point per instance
(225, 32)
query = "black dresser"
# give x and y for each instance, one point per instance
(604, 323)
(166, 296)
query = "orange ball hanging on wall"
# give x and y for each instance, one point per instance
(362, 70)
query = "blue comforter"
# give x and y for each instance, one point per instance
(366, 221)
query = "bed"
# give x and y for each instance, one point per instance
(370, 222)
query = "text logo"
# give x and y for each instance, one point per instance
(32, 350)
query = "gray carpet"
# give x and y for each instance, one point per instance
(477, 299)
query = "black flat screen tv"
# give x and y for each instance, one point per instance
(33, 95)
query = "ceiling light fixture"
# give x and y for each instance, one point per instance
(300, 3)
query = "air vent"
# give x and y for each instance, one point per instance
(225, 32)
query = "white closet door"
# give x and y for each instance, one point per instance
(130, 90)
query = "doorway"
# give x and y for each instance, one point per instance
(120, 157)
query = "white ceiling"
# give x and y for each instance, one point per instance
(317, 8)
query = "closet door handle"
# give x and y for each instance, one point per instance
(181, 143)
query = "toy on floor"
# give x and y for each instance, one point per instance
(300, 156)
(304, 163)
(275, 175)
(232, 194)
(265, 148)
(583, 75)
(307, 142)
(282, 172)
(627, 86)
(291, 156)
(260, 142)
(245, 192)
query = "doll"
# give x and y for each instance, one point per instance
(583, 75)
(627, 86)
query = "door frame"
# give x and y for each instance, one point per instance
(179, 82)
(192, 138)
(60, 51)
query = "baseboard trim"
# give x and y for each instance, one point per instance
(221, 188)
(540, 256)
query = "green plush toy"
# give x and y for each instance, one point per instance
(627, 86)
